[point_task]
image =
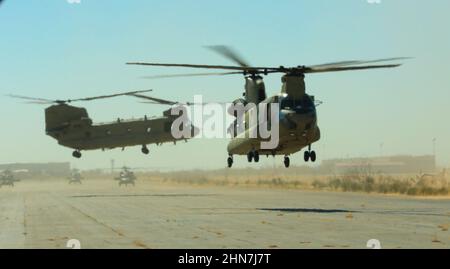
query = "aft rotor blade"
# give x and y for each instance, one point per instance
(349, 68)
(156, 100)
(192, 75)
(33, 99)
(347, 63)
(40, 102)
(107, 96)
(230, 54)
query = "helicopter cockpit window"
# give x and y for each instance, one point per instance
(304, 105)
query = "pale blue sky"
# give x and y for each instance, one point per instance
(53, 49)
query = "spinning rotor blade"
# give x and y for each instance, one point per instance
(230, 54)
(107, 96)
(33, 100)
(159, 101)
(347, 63)
(205, 66)
(349, 68)
(156, 100)
(244, 68)
(192, 75)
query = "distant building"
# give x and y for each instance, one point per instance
(46, 169)
(386, 164)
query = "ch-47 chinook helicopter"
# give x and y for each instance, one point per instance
(72, 127)
(297, 116)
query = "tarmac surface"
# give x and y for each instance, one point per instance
(100, 214)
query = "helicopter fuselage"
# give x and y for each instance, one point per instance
(72, 128)
(116, 134)
(297, 129)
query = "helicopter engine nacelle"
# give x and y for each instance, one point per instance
(182, 111)
(61, 116)
(255, 90)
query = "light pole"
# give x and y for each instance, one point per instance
(434, 147)
(112, 166)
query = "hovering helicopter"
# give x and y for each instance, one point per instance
(297, 116)
(75, 177)
(126, 176)
(72, 127)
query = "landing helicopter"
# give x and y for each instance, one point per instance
(126, 176)
(72, 127)
(297, 123)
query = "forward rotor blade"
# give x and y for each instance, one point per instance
(192, 75)
(350, 68)
(225, 67)
(230, 54)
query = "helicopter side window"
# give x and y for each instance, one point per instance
(148, 130)
(108, 132)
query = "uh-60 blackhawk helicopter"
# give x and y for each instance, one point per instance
(72, 127)
(297, 110)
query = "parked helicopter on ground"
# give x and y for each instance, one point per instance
(72, 127)
(75, 177)
(297, 116)
(126, 176)
(7, 178)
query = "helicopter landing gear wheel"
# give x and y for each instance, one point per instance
(250, 156)
(310, 155)
(256, 156)
(145, 150)
(76, 154)
(287, 161)
(230, 161)
(306, 156)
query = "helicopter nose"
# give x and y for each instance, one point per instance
(293, 120)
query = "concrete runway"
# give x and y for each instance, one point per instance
(101, 214)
